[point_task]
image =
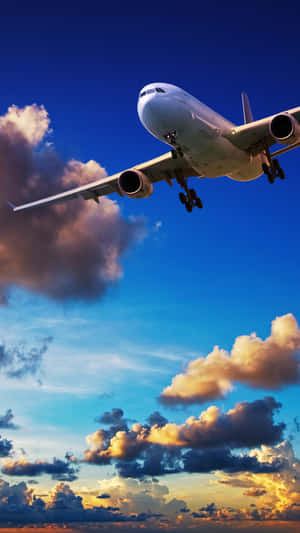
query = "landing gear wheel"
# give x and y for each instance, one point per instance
(272, 169)
(266, 168)
(182, 197)
(193, 194)
(189, 197)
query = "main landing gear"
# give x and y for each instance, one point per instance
(190, 198)
(273, 169)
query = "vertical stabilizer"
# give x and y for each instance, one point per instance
(248, 117)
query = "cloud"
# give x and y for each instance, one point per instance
(6, 447)
(19, 361)
(58, 469)
(254, 493)
(205, 461)
(6, 421)
(156, 419)
(141, 496)
(114, 417)
(268, 364)
(208, 511)
(32, 122)
(296, 424)
(278, 492)
(68, 251)
(19, 506)
(155, 450)
(247, 424)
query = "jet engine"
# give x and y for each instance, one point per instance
(285, 129)
(135, 184)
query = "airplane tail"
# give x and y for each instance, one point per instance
(248, 117)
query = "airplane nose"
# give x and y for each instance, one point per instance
(147, 109)
(160, 113)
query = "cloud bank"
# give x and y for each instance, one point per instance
(19, 506)
(267, 364)
(200, 444)
(68, 251)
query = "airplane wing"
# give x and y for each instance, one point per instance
(166, 167)
(255, 135)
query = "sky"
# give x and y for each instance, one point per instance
(149, 358)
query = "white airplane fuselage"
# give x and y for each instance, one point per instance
(198, 131)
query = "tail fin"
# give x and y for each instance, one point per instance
(248, 117)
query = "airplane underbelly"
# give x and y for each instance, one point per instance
(213, 155)
(200, 138)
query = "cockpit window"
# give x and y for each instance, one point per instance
(150, 91)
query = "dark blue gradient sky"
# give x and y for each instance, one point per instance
(196, 280)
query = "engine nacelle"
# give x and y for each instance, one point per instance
(135, 184)
(285, 129)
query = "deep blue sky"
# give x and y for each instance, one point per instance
(231, 268)
(203, 278)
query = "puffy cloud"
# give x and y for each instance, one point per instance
(156, 419)
(6, 421)
(71, 250)
(115, 416)
(268, 364)
(32, 121)
(6, 447)
(19, 506)
(247, 424)
(58, 469)
(279, 492)
(145, 450)
(19, 361)
(154, 460)
(141, 496)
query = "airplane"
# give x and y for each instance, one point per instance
(203, 144)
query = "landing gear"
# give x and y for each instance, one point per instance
(272, 169)
(190, 198)
(171, 137)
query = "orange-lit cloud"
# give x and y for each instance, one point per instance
(267, 364)
(279, 493)
(157, 449)
(71, 250)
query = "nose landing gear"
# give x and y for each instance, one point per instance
(273, 169)
(190, 198)
(171, 137)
